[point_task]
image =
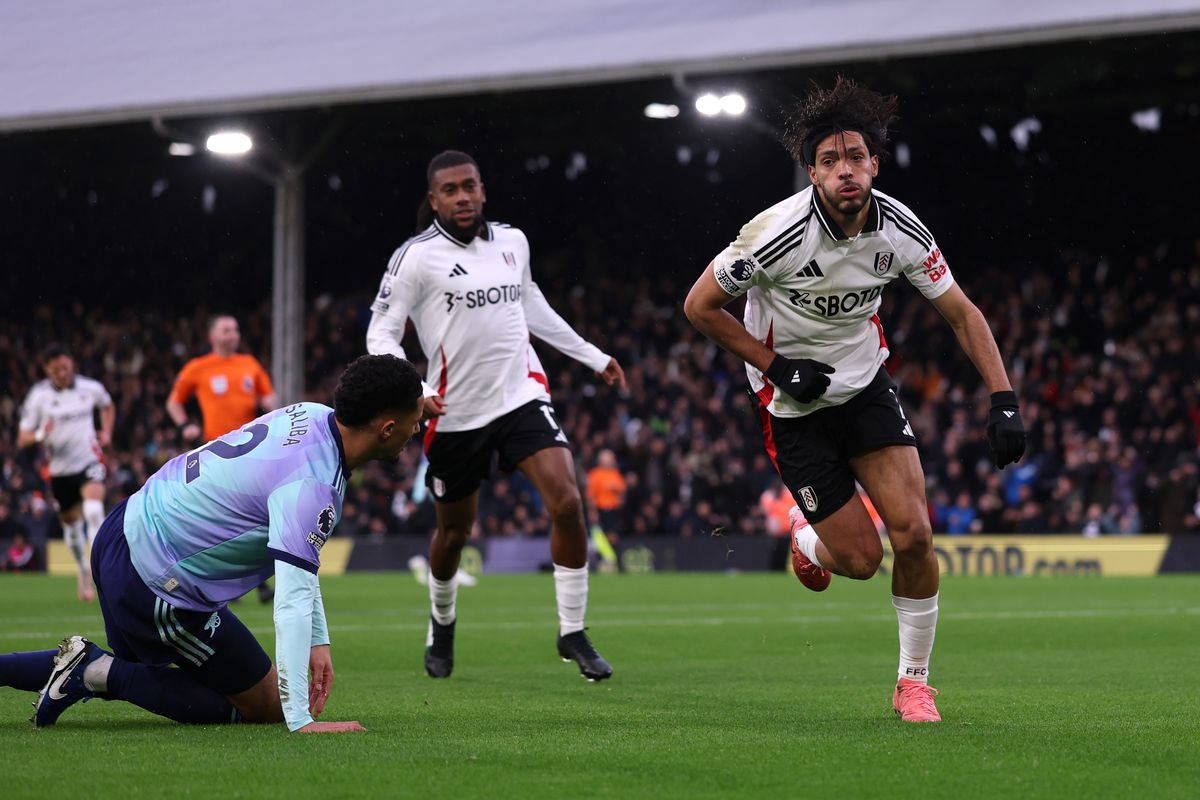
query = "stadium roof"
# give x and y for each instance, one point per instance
(77, 62)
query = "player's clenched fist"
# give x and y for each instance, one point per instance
(802, 378)
(1005, 431)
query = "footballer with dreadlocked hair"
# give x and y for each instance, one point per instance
(813, 268)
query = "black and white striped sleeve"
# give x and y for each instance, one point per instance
(923, 262)
(763, 245)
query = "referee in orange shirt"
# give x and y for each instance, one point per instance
(232, 388)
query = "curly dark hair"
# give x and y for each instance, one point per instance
(845, 107)
(373, 385)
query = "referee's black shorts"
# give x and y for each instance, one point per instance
(812, 453)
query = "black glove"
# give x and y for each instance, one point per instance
(802, 378)
(1005, 431)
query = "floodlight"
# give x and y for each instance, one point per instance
(733, 104)
(181, 149)
(708, 104)
(229, 143)
(1148, 119)
(661, 111)
(1023, 131)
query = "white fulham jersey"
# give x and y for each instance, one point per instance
(812, 292)
(474, 306)
(71, 443)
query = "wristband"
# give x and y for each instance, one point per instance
(1006, 398)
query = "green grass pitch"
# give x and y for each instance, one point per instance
(725, 686)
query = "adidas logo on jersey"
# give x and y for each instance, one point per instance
(1010, 414)
(458, 270)
(811, 270)
(796, 377)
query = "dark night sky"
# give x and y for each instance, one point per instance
(104, 214)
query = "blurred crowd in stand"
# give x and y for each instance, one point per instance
(1104, 355)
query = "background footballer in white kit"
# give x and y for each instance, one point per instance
(813, 268)
(467, 286)
(59, 413)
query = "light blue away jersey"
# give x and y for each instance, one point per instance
(209, 526)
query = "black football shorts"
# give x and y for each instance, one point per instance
(812, 453)
(460, 460)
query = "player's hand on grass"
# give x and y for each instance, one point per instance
(612, 374)
(331, 727)
(434, 407)
(1005, 431)
(802, 378)
(320, 681)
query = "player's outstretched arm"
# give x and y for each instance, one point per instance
(296, 593)
(545, 323)
(1005, 431)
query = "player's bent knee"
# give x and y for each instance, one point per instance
(913, 541)
(260, 703)
(861, 566)
(859, 561)
(455, 536)
(566, 508)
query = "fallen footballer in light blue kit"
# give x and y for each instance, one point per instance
(206, 528)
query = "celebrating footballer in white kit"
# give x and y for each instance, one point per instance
(812, 269)
(59, 413)
(466, 284)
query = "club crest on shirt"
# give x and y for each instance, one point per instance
(219, 384)
(883, 262)
(248, 384)
(510, 259)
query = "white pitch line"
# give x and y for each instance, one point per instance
(548, 622)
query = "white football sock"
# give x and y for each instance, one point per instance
(76, 541)
(93, 515)
(571, 591)
(443, 596)
(806, 541)
(918, 623)
(95, 674)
